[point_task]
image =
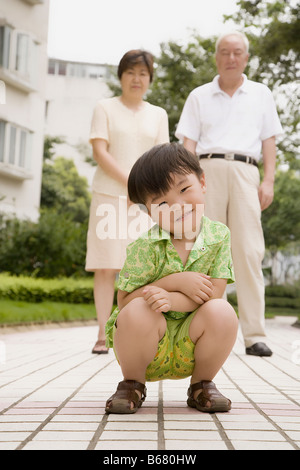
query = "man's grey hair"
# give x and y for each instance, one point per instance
(233, 33)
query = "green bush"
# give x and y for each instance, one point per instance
(28, 289)
(80, 290)
(55, 246)
(277, 296)
(286, 302)
(283, 291)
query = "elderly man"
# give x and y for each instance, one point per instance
(229, 123)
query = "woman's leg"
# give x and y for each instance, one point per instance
(104, 288)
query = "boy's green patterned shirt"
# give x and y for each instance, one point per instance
(153, 256)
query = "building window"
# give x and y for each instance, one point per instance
(25, 56)
(56, 67)
(62, 68)
(14, 146)
(5, 41)
(51, 67)
(22, 153)
(2, 135)
(22, 54)
(18, 55)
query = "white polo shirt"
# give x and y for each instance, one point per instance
(222, 124)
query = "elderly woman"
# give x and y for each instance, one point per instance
(122, 129)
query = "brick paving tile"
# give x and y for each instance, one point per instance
(53, 392)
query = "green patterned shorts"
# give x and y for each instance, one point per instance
(175, 354)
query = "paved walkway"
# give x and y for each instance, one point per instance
(53, 391)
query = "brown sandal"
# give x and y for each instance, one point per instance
(120, 402)
(100, 342)
(209, 400)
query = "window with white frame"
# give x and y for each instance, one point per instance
(18, 54)
(2, 136)
(15, 145)
(5, 41)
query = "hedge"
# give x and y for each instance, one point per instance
(38, 290)
(278, 302)
(277, 296)
(77, 291)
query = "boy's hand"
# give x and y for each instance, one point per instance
(196, 286)
(158, 299)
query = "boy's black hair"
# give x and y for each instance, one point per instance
(152, 174)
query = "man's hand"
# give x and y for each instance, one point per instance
(266, 189)
(266, 194)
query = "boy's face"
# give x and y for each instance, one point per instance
(179, 210)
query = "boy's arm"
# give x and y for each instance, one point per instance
(195, 288)
(177, 301)
(175, 282)
(123, 297)
(219, 286)
(161, 300)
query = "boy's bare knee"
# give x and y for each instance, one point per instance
(130, 313)
(222, 312)
(217, 315)
(137, 315)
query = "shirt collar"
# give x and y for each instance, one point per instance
(156, 234)
(205, 236)
(216, 87)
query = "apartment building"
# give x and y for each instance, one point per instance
(72, 91)
(23, 72)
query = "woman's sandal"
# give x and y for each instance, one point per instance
(209, 400)
(120, 402)
(101, 343)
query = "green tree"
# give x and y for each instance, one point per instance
(281, 221)
(55, 246)
(64, 190)
(180, 68)
(49, 143)
(273, 30)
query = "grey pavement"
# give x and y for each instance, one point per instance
(53, 392)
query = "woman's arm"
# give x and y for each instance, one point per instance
(107, 162)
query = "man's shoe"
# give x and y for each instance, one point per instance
(259, 349)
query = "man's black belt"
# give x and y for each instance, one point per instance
(230, 156)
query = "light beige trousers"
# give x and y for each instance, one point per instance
(232, 198)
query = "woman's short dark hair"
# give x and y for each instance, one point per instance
(135, 57)
(152, 174)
